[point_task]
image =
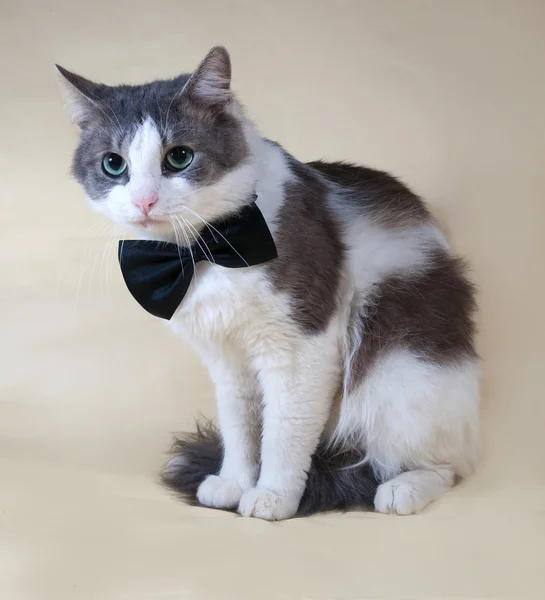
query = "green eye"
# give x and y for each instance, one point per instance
(178, 158)
(113, 164)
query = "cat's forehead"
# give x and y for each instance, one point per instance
(132, 105)
(126, 108)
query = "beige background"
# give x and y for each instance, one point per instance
(448, 95)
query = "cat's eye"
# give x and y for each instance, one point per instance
(179, 158)
(114, 165)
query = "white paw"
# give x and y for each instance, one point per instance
(398, 498)
(264, 504)
(217, 492)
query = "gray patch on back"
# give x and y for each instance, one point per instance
(430, 313)
(375, 194)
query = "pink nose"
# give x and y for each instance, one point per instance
(145, 203)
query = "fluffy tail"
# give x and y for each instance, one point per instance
(332, 484)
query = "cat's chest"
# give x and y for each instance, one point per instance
(222, 302)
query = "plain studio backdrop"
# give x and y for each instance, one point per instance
(450, 96)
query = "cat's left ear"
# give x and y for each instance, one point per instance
(210, 83)
(81, 96)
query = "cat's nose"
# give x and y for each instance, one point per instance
(145, 203)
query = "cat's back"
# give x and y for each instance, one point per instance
(373, 194)
(385, 228)
(400, 264)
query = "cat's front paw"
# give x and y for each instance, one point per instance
(218, 492)
(264, 504)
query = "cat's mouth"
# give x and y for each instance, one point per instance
(151, 226)
(147, 222)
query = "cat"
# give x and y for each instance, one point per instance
(345, 370)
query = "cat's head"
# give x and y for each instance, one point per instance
(165, 156)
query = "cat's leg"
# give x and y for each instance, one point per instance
(297, 396)
(419, 423)
(238, 400)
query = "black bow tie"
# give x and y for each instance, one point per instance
(158, 274)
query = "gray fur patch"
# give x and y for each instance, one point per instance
(310, 251)
(374, 194)
(430, 313)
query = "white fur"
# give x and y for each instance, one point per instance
(144, 157)
(375, 252)
(237, 388)
(273, 175)
(407, 414)
(299, 378)
(410, 414)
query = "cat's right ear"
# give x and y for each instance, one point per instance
(210, 83)
(80, 96)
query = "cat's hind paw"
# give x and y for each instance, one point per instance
(397, 499)
(411, 491)
(264, 504)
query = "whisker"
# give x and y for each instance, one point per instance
(101, 268)
(198, 240)
(178, 244)
(114, 236)
(181, 198)
(220, 234)
(92, 275)
(103, 279)
(182, 229)
(81, 276)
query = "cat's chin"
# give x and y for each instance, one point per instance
(152, 230)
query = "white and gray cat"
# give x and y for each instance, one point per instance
(345, 369)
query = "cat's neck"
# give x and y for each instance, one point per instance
(272, 173)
